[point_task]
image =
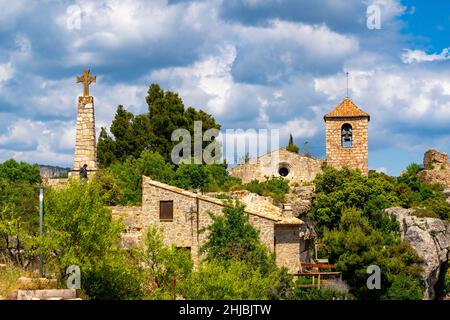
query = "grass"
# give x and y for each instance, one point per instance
(8, 280)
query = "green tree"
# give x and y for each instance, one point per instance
(20, 171)
(232, 237)
(129, 174)
(355, 245)
(292, 147)
(19, 190)
(133, 134)
(78, 228)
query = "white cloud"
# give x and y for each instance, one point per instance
(6, 72)
(412, 56)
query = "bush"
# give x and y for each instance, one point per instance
(167, 267)
(404, 288)
(113, 278)
(276, 188)
(236, 281)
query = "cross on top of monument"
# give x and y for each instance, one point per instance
(86, 79)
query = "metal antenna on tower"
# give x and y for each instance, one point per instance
(347, 82)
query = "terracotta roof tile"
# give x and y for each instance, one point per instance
(346, 109)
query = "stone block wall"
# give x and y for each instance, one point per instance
(301, 168)
(354, 157)
(287, 249)
(435, 160)
(85, 145)
(131, 217)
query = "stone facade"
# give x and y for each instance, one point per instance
(85, 146)
(191, 214)
(338, 155)
(300, 168)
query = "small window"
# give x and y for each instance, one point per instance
(346, 135)
(166, 210)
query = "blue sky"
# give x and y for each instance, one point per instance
(251, 63)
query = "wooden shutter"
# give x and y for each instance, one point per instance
(166, 210)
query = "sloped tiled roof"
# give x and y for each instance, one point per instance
(346, 109)
(269, 212)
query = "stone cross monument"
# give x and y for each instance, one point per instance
(85, 146)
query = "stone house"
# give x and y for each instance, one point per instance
(181, 214)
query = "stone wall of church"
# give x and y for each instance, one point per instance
(354, 157)
(301, 168)
(85, 145)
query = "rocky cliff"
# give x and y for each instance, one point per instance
(430, 237)
(49, 172)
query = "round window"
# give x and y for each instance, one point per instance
(283, 171)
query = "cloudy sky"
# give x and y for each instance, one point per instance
(251, 63)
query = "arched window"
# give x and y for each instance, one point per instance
(346, 135)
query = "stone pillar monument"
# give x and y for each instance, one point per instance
(85, 146)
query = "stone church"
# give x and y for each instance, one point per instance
(181, 214)
(346, 129)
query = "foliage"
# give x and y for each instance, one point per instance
(327, 293)
(8, 279)
(239, 265)
(110, 190)
(404, 287)
(168, 267)
(277, 188)
(78, 228)
(207, 178)
(115, 277)
(232, 237)
(133, 134)
(19, 172)
(129, 174)
(19, 218)
(355, 244)
(292, 147)
(238, 280)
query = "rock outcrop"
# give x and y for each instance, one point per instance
(430, 237)
(300, 199)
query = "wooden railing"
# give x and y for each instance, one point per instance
(321, 274)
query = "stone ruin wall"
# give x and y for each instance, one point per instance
(436, 168)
